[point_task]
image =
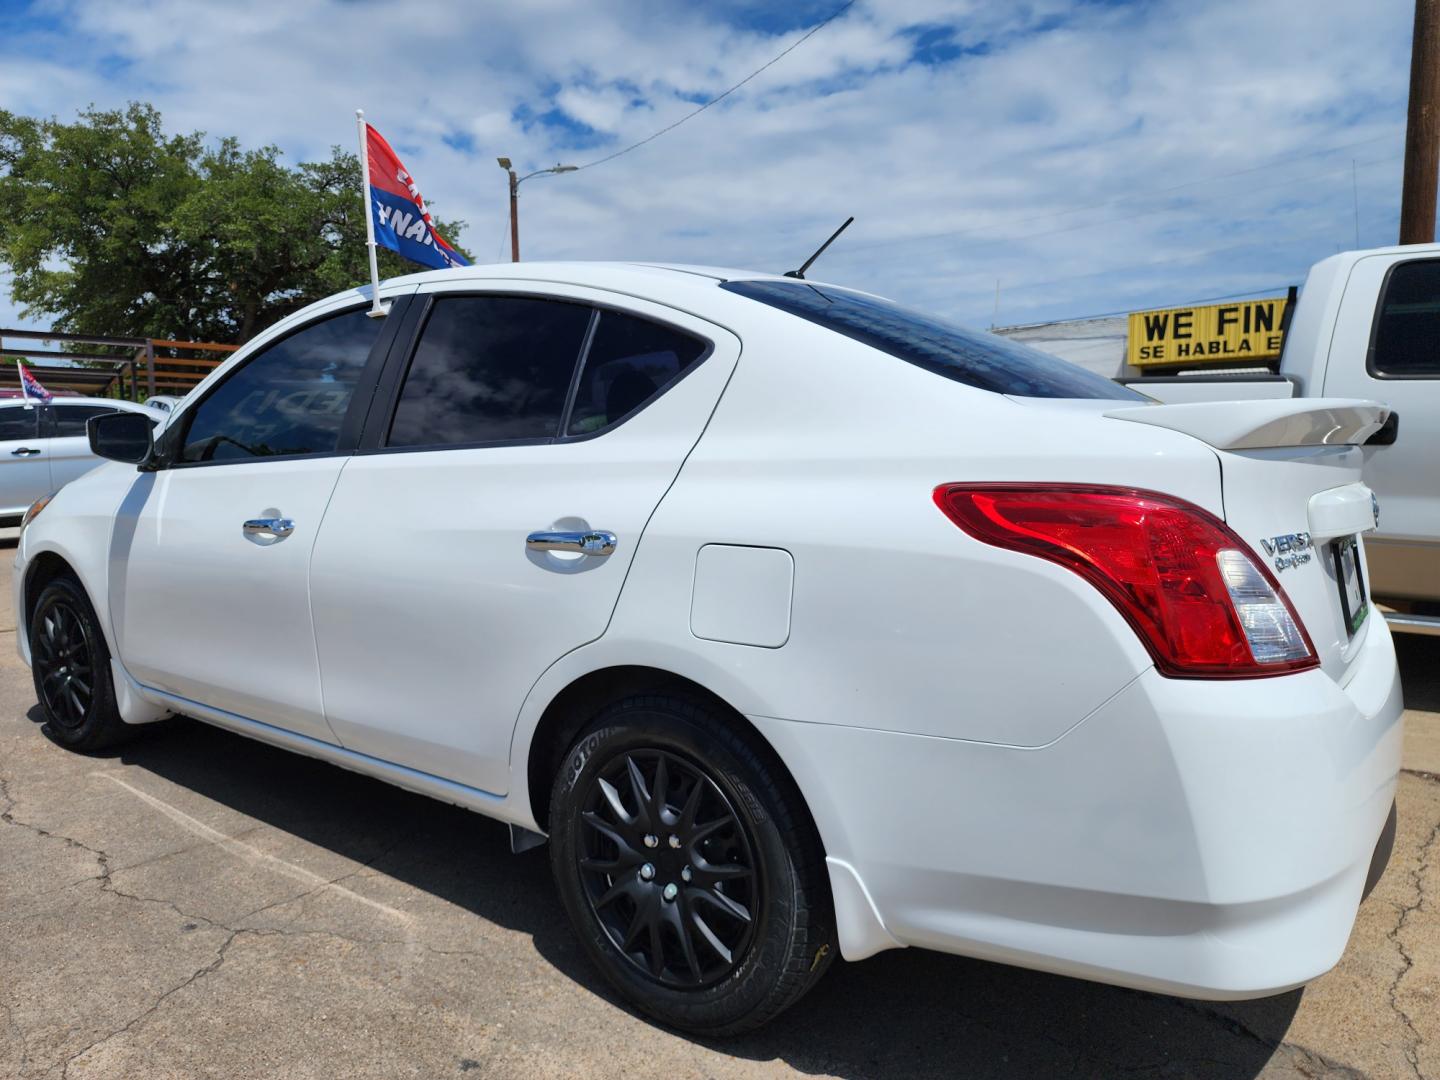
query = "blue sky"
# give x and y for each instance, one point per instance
(1087, 157)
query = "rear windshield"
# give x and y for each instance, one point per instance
(975, 358)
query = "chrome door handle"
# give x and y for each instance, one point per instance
(281, 527)
(24, 451)
(594, 542)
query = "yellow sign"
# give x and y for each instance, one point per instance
(1214, 334)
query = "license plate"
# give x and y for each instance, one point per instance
(1351, 581)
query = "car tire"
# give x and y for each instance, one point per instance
(70, 663)
(689, 866)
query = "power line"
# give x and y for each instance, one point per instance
(720, 97)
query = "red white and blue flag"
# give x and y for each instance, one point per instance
(401, 221)
(30, 386)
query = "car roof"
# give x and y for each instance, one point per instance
(652, 279)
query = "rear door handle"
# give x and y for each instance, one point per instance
(595, 542)
(281, 527)
(24, 451)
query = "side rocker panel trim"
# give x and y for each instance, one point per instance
(437, 787)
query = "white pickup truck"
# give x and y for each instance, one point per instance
(1367, 325)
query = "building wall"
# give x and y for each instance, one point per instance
(1096, 344)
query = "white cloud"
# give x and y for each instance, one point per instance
(1036, 148)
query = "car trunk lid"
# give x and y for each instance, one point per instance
(1291, 488)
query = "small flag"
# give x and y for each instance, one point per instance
(30, 386)
(401, 221)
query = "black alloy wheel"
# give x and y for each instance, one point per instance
(70, 663)
(668, 868)
(689, 865)
(64, 670)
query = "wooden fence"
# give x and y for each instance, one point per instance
(139, 368)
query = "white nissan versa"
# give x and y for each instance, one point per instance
(801, 623)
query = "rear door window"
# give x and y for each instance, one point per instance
(630, 361)
(490, 369)
(975, 358)
(1406, 343)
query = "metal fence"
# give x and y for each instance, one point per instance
(140, 368)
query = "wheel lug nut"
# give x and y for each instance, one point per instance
(651, 840)
(686, 873)
(647, 872)
(671, 891)
(674, 841)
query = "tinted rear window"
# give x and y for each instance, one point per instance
(975, 358)
(630, 361)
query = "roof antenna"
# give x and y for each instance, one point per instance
(820, 251)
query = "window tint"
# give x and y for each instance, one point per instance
(986, 361)
(1407, 329)
(287, 399)
(17, 422)
(630, 360)
(490, 369)
(70, 419)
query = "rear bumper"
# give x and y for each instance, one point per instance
(1211, 839)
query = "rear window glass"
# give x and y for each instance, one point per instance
(986, 361)
(1407, 332)
(630, 361)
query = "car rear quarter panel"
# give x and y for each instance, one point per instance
(829, 450)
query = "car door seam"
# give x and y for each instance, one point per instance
(310, 598)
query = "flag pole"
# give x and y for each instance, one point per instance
(24, 389)
(377, 309)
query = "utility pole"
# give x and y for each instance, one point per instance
(515, 183)
(1422, 128)
(514, 216)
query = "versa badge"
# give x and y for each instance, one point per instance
(1288, 549)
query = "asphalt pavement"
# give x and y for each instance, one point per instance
(198, 905)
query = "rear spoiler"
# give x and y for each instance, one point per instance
(1257, 425)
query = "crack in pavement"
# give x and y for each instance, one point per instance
(14, 1025)
(192, 978)
(1417, 878)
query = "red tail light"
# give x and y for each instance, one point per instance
(1201, 603)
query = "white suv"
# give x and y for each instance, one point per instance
(802, 624)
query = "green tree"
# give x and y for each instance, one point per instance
(110, 226)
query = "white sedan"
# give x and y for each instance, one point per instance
(801, 623)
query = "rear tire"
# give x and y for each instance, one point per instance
(70, 663)
(688, 866)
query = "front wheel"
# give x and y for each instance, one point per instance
(689, 867)
(70, 663)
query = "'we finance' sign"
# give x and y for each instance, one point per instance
(1212, 334)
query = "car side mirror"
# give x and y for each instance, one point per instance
(121, 436)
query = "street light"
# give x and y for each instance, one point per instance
(515, 183)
